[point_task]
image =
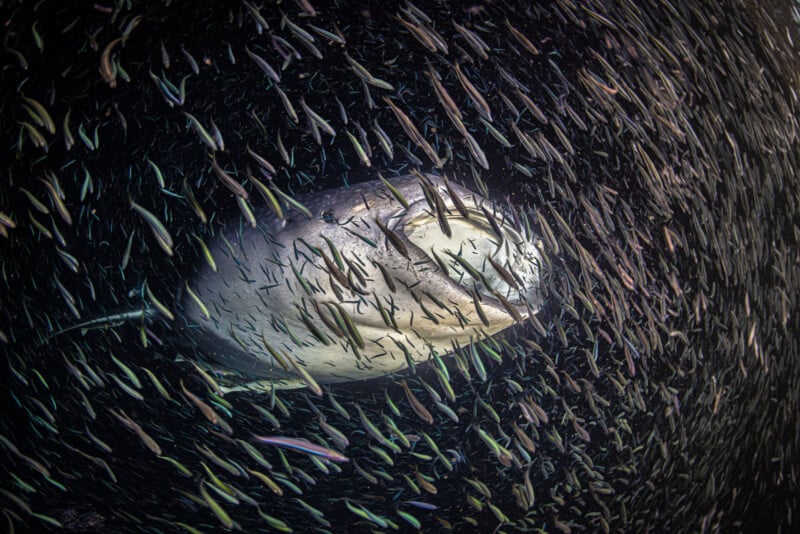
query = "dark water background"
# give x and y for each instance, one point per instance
(692, 415)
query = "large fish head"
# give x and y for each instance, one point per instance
(478, 248)
(364, 288)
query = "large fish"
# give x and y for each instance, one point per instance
(364, 286)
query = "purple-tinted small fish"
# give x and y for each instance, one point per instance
(303, 446)
(423, 505)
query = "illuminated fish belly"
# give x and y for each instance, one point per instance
(366, 286)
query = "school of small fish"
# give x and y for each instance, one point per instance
(624, 354)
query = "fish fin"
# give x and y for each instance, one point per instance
(106, 321)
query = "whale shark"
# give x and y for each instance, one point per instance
(384, 275)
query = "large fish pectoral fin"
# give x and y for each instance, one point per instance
(264, 386)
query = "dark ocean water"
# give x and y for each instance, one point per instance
(652, 148)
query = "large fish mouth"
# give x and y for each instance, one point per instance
(507, 264)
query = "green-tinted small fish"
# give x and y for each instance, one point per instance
(287, 105)
(341, 440)
(475, 502)
(188, 528)
(502, 139)
(36, 136)
(271, 484)
(266, 414)
(392, 406)
(247, 211)
(477, 99)
(37, 204)
(256, 13)
(464, 264)
(370, 427)
(190, 59)
(221, 514)
(383, 454)
(274, 522)
(396, 432)
(384, 140)
(186, 189)
(44, 231)
(366, 514)
(37, 38)
(88, 184)
(477, 362)
(473, 39)
(261, 160)
(179, 466)
(444, 97)
(395, 192)
(71, 261)
(294, 203)
(206, 253)
(202, 132)
(209, 379)
(126, 256)
(414, 133)
(23, 63)
(289, 484)
(410, 519)
(362, 154)
(306, 376)
(158, 304)
(369, 477)
(338, 407)
(328, 35)
(275, 354)
(283, 152)
(227, 180)
(197, 301)
(365, 75)
(424, 483)
(480, 487)
(349, 324)
(160, 231)
(227, 466)
(158, 173)
(53, 522)
(41, 112)
(266, 67)
(157, 384)
(444, 381)
(85, 138)
(393, 238)
(272, 202)
(317, 119)
(128, 372)
(126, 388)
